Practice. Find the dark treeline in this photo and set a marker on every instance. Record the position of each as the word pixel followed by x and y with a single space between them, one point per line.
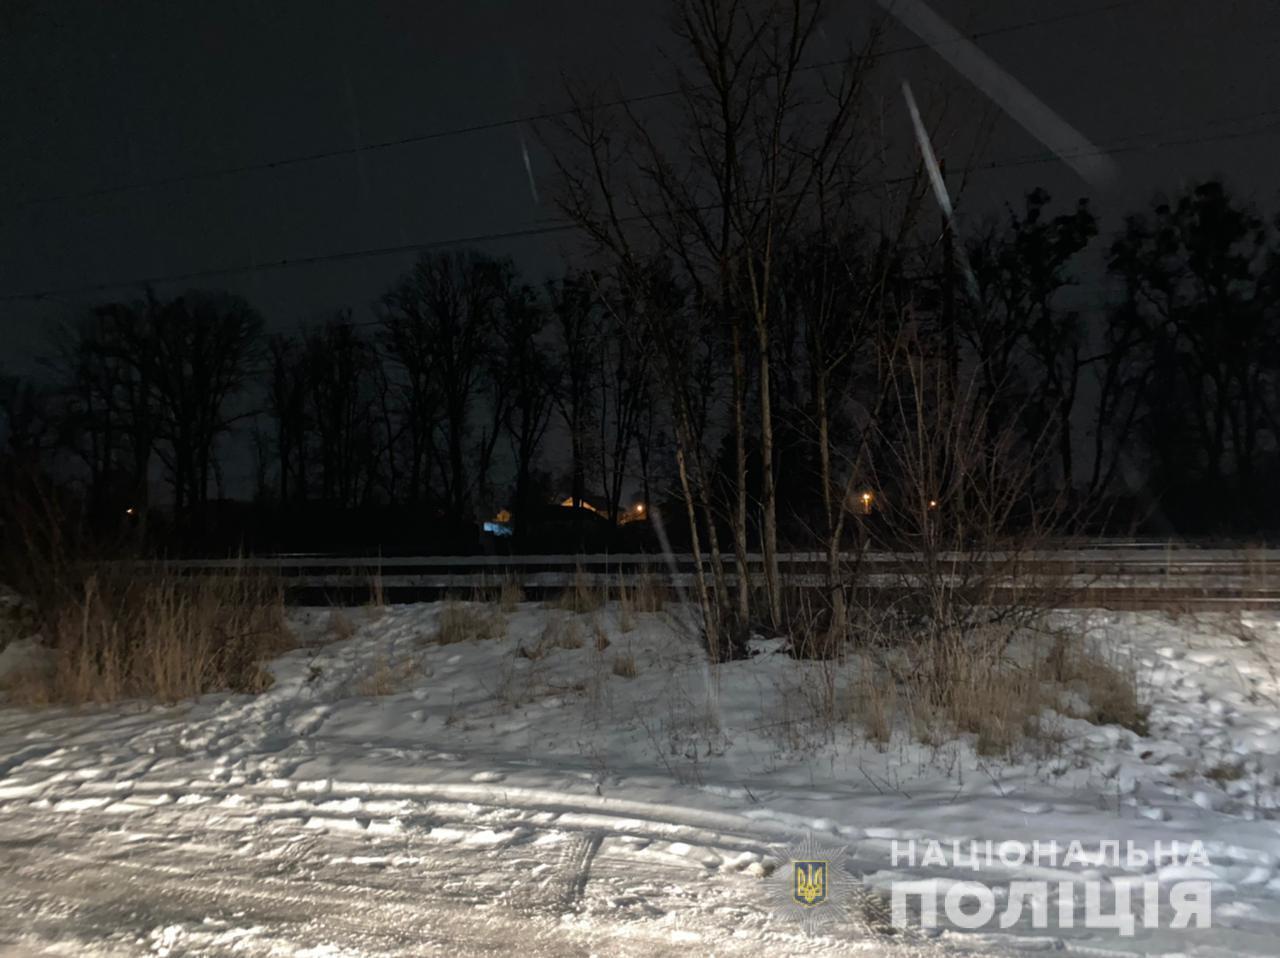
pixel 474 391
pixel 403 431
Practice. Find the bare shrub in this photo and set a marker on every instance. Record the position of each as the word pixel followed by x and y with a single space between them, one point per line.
pixel 949 512
pixel 468 622
pixel 815 630
pixel 952 521
pixel 159 635
pixel 959 484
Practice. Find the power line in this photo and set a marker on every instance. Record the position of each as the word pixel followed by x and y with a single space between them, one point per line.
pixel 296 261
pixel 470 129
pixel 566 226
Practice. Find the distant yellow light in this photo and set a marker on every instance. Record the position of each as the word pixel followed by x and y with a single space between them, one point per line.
pixel 640 508
pixel 130 511
pixel 867 498
pixel 933 503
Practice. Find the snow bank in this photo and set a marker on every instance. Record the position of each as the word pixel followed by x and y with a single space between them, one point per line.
pixel 630 800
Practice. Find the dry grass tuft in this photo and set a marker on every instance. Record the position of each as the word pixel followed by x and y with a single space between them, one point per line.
pixel 1225 772
pixel 389 677
pixel 972 685
pixel 624 665
pixel 580 595
pixel 160 635
pixel 600 638
pixel 377 595
pixel 556 634
pixel 341 627
pixel 642 594
pixel 875 704
pixel 466 622
pixel 985 685
pixel 510 596
pixel 568 636
pixel 1108 683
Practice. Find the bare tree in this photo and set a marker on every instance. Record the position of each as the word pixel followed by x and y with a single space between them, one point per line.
pixel 576 306
pixel 1021 272
pixel 287 404
pixel 723 188
pixel 439 325
pixel 339 369
pixel 202 345
pixel 106 367
pixel 837 297
pixel 1196 275
pixel 27 419
pixel 963 500
pixel 623 374
pixel 408 339
pixel 526 366
pixel 91 423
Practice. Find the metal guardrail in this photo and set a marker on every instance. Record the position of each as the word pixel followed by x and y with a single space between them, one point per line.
pixel 1101 574
pixel 1128 556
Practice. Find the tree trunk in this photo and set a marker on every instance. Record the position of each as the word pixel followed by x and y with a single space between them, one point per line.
pixel 835 588
pixel 709 622
pixel 740 506
pixel 773 581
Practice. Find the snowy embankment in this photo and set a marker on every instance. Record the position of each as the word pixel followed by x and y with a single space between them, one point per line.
pixel 581 784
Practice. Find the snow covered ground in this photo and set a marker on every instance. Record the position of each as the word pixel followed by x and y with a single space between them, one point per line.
pixel 392 795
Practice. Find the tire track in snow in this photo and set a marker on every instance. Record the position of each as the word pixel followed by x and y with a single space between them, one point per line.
pixel 577 867
pixel 224 890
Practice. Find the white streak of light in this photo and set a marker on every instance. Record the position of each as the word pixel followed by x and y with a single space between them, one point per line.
pixel 1010 95
pixel 939 185
pixel 528 169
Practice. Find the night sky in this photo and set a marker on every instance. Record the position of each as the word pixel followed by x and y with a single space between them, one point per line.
pixel 96 96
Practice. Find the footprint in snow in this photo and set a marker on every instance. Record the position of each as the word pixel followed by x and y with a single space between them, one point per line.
pixel 309 721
